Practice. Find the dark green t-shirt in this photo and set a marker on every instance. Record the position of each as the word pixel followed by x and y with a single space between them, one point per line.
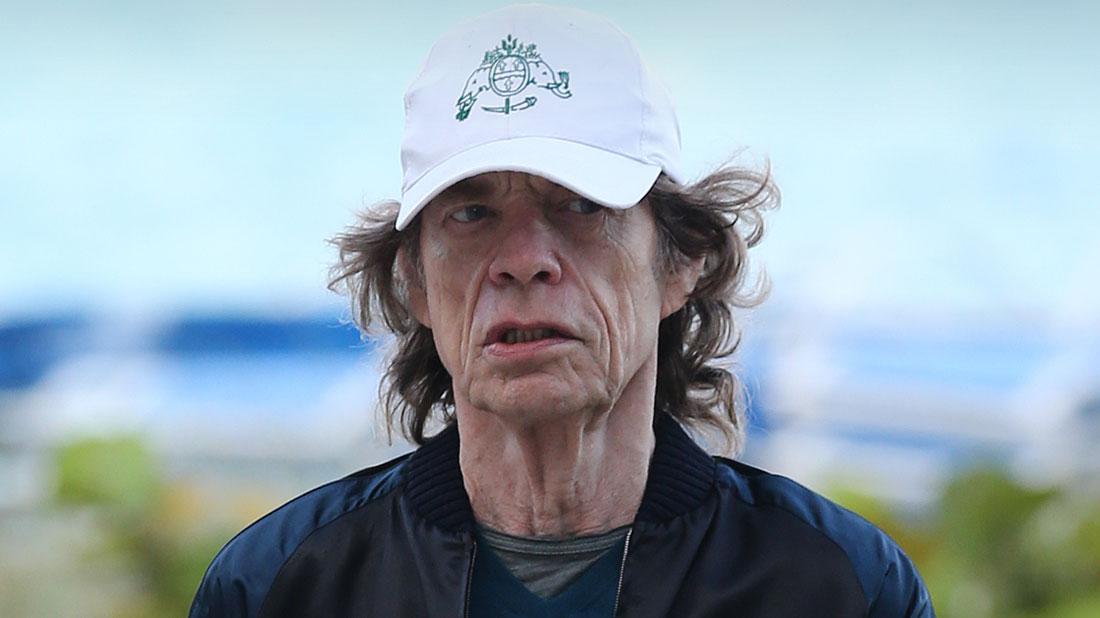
pixel 497 593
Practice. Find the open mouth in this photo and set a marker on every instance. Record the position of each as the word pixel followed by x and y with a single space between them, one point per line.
pixel 519 335
pixel 512 334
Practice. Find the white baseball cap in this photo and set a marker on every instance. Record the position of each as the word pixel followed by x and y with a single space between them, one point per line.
pixel 547 90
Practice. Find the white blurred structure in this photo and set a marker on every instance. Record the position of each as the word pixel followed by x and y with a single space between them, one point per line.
pixel 292 401
pixel 897 410
pixel 285 401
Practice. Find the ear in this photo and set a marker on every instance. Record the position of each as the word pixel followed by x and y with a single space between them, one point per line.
pixel 679 284
pixel 414 289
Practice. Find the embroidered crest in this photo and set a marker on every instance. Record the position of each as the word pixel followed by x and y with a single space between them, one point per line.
pixel 507 71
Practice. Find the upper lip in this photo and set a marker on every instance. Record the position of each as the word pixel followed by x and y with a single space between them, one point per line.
pixel 496 333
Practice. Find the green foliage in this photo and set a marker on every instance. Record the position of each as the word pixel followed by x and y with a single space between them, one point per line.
pixel 985 522
pixel 157 528
pixel 996 547
pixel 117 471
pixel 1082 607
pixel 992 546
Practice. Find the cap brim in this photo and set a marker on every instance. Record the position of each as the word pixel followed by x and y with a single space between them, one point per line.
pixel 605 177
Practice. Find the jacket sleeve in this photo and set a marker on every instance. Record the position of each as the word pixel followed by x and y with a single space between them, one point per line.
pixel 222 594
pixel 902 593
pixel 241 575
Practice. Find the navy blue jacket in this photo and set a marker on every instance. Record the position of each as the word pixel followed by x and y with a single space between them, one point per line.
pixel 712 537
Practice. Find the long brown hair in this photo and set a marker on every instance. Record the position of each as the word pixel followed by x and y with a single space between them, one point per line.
pixel 718 218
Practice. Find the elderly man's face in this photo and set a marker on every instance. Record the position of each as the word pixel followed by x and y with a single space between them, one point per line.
pixel 541 303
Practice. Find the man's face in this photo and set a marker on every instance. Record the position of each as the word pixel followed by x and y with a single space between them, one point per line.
pixel 541 303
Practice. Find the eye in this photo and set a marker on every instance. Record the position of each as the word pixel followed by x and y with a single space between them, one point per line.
pixel 471 213
pixel 582 206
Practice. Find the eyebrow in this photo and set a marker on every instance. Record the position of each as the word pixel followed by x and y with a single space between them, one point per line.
pixel 469 188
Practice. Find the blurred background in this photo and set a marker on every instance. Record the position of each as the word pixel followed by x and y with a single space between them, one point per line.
pixel 172 366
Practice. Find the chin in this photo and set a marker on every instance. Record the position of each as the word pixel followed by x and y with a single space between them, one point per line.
pixel 535 401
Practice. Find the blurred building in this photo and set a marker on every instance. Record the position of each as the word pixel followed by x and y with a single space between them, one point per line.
pixel 290 402
pixel 230 399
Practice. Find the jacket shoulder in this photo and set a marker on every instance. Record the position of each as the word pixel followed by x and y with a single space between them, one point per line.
pixel 239 577
pixel 890 582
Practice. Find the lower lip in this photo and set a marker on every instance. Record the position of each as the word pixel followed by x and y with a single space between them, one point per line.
pixel 525 348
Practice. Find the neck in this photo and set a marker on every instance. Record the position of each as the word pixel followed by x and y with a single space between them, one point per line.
pixel 573 476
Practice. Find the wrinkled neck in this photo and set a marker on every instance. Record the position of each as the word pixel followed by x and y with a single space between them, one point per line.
pixel 573 476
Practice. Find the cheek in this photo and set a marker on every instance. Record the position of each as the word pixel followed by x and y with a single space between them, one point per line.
pixel 640 313
pixel 444 297
pixel 453 288
pixel 630 304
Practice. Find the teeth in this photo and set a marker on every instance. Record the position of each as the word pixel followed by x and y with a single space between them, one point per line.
pixel 523 336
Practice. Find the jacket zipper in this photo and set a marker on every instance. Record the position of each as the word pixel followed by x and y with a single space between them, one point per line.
pixel 470 579
pixel 622 571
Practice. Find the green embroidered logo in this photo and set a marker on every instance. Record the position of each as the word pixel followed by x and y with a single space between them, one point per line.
pixel 507 71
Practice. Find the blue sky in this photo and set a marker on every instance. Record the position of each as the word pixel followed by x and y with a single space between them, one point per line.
pixel 935 158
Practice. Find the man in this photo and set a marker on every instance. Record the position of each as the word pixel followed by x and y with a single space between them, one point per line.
pixel 559 294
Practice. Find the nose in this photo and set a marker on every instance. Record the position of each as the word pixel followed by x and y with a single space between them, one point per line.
pixel 526 254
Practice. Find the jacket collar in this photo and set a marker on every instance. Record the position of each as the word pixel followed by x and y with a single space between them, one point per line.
pixel 681 475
